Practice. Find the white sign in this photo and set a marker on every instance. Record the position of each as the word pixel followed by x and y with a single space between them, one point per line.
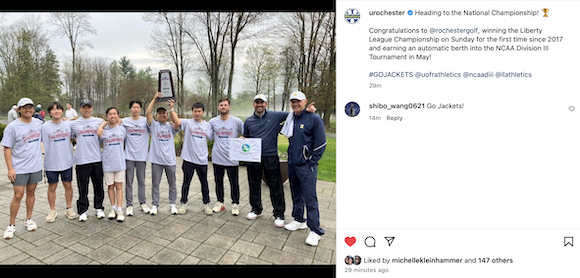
pixel 249 149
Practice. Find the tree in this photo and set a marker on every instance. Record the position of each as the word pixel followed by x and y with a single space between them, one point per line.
pixel 73 25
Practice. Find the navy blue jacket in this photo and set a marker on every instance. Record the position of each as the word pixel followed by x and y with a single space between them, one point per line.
pixel 308 141
pixel 266 127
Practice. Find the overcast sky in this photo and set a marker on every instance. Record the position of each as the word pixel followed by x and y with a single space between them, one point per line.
pixel 118 34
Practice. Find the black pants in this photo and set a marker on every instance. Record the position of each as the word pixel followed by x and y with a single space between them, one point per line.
pixel 94 171
pixel 271 167
pixel 218 171
pixel 188 170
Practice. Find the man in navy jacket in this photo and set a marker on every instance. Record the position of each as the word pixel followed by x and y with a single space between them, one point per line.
pixel 307 144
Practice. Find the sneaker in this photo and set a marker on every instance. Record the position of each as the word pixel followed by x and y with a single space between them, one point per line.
pixel 312 239
pixel 129 211
pixel 279 222
pixel 120 216
pixel 100 213
pixel 83 217
pixel 207 209
pixel 235 209
pixel 70 213
pixel 253 215
pixel 30 225
pixel 113 214
pixel 9 233
pixel 153 210
pixel 219 206
pixel 182 208
pixel 51 216
pixel 295 225
pixel 143 207
pixel 173 209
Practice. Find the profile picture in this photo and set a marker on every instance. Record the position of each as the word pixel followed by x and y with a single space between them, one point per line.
pixel 349 260
pixel 352 109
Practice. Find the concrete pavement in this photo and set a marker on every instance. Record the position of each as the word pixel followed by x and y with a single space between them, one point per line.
pixel 164 239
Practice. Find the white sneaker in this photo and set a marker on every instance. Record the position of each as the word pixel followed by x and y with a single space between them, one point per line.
pixel 100 214
pixel 9 233
pixel 129 211
pixel 113 213
pixel 279 222
pixel 207 209
pixel 153 210
pixel 30 225
pixel 182 208
pixel 173 209
pixel 252 215
pixel 219 206
pixel 295 225
pixel 235 209
pixel 143 207
pixel 51 216
pixel 120 216
pixel 313 239
pixel 70 213
pixel 83 217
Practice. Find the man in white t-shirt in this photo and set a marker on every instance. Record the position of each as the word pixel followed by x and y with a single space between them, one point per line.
pixel 13 114
pixel 71 113
pixel 225 126
pixel 196 133
pixel 58 159
pixel 23 155
pixel 88 160
pixel 161 154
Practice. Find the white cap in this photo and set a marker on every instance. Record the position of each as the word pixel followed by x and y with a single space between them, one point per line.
pixel 14 106
pixel 298 95
pixel 25 101
pixel 261 96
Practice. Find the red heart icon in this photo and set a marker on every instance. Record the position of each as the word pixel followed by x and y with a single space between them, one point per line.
pixel 350 240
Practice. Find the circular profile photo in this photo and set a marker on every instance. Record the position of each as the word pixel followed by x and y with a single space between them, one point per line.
pixel 349 260
pixel 352 109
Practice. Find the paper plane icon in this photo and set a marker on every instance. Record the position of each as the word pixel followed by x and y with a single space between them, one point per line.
pixel 390 240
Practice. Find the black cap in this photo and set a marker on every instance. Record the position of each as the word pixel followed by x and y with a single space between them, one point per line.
pixel 86 102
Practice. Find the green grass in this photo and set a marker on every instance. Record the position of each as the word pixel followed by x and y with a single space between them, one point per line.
pixel 326 165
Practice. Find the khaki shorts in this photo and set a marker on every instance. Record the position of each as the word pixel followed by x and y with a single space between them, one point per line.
pixel 113 177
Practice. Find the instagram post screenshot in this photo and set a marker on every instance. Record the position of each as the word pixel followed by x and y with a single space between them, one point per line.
pixel 458 130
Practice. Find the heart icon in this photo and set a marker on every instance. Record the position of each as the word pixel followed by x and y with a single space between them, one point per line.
pixel 350 240
pixel 571 108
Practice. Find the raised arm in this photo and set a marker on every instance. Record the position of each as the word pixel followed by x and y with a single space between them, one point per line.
pixel 174 117
pixel 150 108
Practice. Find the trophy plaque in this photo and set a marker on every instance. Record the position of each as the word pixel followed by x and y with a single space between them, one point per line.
pixel 165 85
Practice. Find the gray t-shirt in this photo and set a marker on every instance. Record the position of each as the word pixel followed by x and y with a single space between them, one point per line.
pixel 162 150
pixel 195 141
pixel 137 141
pixel 24 140
pixel 113 155
pixel 223 131
pixel 58 154
pixel 88 148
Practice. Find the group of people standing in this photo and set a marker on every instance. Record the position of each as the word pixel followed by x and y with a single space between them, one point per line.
pixel 129 143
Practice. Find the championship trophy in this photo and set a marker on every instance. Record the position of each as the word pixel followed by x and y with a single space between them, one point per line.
pixel 165 85
pixel 545 12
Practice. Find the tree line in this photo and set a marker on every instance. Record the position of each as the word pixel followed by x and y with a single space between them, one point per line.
pixel 280 53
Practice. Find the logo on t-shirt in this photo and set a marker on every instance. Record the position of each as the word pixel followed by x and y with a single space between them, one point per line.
pixel 114 140
pixel 163 135
pixel 88 131
pixel 59 135
pixel 198 132
pixel 31 136
pixel 135 130
pixel 224 132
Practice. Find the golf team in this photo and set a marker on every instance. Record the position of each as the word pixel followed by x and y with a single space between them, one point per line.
pixel 112 152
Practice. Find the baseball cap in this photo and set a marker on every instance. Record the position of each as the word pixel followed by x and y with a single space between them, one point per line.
pixel 25 101
pixel 298 95
pixel 86 102
pixel 161 107
pixel 261 96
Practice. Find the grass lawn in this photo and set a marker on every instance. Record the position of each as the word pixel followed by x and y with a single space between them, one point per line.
pixel 326 165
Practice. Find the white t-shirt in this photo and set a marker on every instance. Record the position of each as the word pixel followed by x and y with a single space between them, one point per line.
pixel 88 147
pixel 58 154
pixel 137 141
pixel 71 113
pixel 113 155
pixel 162 149
pixel 24 140
pixel 223 131
pixel 195 141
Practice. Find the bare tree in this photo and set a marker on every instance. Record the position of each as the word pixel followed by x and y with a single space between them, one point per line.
pixel 168 43
pixel 73 25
